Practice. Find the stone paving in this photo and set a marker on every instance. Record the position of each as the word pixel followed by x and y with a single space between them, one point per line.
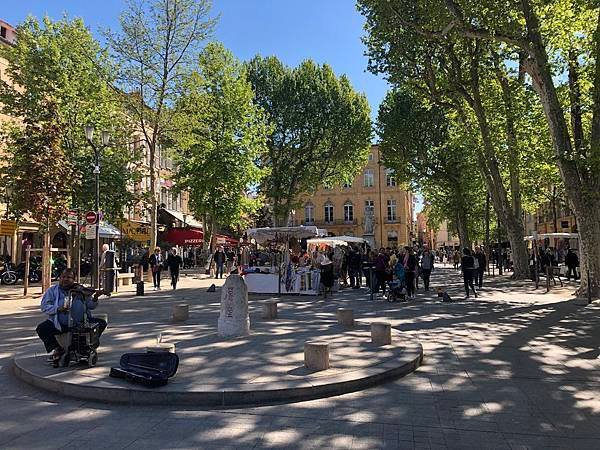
pixel 511 369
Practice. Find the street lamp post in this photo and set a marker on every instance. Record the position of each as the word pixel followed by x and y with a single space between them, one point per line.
pixel 89 134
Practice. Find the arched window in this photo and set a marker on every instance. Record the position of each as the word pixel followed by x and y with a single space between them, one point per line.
pixel 392 238
pixel 348 212
pixel 309 214
pixel 328 209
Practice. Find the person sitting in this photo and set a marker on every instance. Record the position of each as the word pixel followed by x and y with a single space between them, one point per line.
pixel 53 304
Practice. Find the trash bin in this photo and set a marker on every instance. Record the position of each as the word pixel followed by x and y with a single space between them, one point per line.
pixel 139 288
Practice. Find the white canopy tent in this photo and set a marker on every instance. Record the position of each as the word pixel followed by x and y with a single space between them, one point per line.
pixel 283 234
pixel 553 235
pixel 337 240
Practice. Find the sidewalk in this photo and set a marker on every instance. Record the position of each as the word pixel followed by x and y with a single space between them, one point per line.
pixel 512 369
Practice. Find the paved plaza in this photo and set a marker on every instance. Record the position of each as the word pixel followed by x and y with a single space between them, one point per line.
pixel 512 369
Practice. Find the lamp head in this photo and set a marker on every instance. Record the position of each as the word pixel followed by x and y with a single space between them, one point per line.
pixel 105 137
pixel 89 132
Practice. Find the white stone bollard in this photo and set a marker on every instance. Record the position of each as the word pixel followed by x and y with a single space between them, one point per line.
pixel 316 355
pixel 269 309
pixel 381 333
pixel 162 347
pixel 181 312
pixel 345 317
pixel 234 319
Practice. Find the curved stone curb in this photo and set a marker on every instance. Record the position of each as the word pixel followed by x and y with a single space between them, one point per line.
pixel 251 394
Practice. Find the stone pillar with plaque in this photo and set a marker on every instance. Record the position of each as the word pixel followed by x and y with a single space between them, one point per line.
pixel 234 319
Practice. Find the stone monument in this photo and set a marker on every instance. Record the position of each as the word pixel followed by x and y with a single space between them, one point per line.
pixel 234 319
pixel 368 226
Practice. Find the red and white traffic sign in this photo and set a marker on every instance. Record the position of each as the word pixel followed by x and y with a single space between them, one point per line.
pixel 91 217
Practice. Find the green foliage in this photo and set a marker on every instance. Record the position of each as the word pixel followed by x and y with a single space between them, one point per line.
pixel 222 136
pixel 322 128
pixel 61 63
pixel 39 171
pixel 426 149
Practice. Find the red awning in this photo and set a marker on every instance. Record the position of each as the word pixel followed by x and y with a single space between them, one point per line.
pixel 183 236
pixel 194 236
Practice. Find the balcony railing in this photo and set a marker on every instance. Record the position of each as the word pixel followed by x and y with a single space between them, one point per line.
pixel 325 223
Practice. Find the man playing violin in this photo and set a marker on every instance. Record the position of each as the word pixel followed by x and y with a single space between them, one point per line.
pixel 56 304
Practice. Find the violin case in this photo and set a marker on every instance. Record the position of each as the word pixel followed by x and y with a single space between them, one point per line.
pixel 148 369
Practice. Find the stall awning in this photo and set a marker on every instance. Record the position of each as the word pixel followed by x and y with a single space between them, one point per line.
pixel 337 240
pixel 226 240
pixel 189 219
pixel 183 236
pixel 262 235
pixel 107 230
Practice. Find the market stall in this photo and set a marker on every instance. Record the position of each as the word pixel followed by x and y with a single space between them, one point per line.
pixel 276 272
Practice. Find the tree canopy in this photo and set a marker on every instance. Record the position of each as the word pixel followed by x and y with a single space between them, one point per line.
pixel 321 128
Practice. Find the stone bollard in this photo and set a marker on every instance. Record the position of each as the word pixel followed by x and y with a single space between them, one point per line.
pixel 269 309
pixel 345 317
pixel 181 312
pixel 316 355
pixel 381 333
pixel 162 347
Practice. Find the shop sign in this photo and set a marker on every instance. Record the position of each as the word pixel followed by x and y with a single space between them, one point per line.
pixel 7 227
pixel 136 231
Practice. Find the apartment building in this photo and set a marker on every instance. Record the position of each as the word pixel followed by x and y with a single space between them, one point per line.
pixel 373 199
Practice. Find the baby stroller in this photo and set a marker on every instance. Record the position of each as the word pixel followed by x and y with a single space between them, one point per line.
pixel 396 287
pixel 82 340
pixel 396 291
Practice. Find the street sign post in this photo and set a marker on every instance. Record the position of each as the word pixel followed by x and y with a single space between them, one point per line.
pixel 90 232
pixel 72 217
pixel 91 217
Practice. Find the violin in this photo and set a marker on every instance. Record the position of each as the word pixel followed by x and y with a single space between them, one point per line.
pixel 87 291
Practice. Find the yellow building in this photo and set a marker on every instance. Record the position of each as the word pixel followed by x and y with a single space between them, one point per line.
pixel 346 210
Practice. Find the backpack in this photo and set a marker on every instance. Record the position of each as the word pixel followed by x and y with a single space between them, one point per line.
pixel 475 262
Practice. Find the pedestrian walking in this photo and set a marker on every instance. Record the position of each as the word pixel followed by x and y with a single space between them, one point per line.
pixel 410 268
pixel 174 262
pixel 354 268
pixel 571 261
pixel 456 259
pixel 482 264
pixel 381 266
pixel 426 267
pixel 156 265
pixel 467 266
pixel 220 259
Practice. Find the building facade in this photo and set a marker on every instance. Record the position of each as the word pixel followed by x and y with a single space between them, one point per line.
pixel 373 204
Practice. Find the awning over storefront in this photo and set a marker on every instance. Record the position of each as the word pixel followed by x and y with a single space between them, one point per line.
pixel 107 230
pixel 183 236
pixel 189 219
pixel 193 236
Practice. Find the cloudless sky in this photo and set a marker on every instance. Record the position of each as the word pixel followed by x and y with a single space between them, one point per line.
pixel 327 31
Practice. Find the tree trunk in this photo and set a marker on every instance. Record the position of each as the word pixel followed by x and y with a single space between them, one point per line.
pixel 582 192
pixel 462 229
pixel 589 232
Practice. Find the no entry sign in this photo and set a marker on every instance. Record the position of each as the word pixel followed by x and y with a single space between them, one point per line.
pixel 91 217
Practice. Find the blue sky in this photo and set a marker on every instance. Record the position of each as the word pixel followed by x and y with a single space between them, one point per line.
pixel 327 31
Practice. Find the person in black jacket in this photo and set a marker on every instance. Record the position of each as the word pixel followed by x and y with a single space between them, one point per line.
pixel 156 262
pixel 174 262
pixel 481 259
pixel 220 259
pixel 467 265
pixel 572 261
pixel 354 269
